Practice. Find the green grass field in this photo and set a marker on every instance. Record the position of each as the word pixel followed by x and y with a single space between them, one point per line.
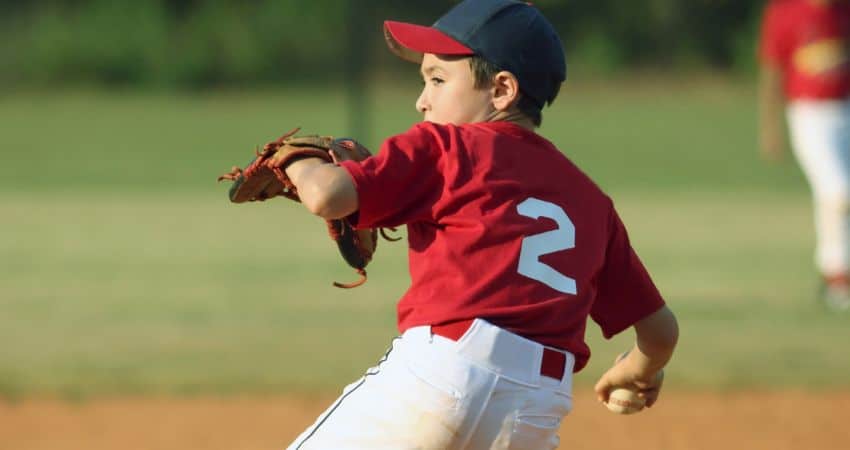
pixel 125 270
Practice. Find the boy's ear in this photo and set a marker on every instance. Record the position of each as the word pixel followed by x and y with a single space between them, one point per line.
pixel 505 90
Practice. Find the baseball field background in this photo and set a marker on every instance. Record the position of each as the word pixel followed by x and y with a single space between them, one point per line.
pixel 139 309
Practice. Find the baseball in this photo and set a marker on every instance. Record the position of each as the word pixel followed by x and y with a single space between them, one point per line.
pixel 624 401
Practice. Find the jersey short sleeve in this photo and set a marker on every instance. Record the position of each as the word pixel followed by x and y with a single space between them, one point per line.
pixel 626 293
pixel 402 182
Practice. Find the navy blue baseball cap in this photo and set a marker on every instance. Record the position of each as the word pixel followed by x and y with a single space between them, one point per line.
pixel 513 35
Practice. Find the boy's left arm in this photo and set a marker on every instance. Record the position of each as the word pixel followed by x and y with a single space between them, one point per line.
pixel 325 189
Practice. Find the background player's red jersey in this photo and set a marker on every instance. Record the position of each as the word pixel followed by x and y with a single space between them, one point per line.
pixel 809 43
pixel 503 227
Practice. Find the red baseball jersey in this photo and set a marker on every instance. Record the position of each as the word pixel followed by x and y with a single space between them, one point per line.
pixel 503 227
pixel 809 43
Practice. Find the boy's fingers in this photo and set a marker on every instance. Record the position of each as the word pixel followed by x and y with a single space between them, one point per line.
pixel 654 383
pixel 651 399
pixel 602 389
pixel 647 393
pixel 601 394
pixel 650 395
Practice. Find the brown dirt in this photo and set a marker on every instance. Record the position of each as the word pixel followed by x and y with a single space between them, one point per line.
pixel 686 421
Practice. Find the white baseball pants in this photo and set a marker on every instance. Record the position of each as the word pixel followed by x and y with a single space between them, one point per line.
pixel 484 391
pixel 820 137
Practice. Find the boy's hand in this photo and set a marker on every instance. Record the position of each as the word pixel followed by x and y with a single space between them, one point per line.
pixel 627 373
pixel 275 172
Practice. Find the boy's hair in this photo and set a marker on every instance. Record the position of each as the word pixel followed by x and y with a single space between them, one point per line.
pixel 484 71
pixel 512 35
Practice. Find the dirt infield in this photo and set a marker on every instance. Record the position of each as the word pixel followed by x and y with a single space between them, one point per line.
pixel 686 421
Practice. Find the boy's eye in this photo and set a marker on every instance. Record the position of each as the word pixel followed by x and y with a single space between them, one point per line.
pixel 435 81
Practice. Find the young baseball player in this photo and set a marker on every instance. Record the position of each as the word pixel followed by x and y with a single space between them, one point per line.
pixel 805 60
pixel 511 248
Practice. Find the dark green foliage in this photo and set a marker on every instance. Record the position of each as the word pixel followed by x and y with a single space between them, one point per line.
pixel 198 43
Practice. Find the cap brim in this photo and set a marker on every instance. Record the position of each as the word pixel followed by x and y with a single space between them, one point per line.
pixel 410 41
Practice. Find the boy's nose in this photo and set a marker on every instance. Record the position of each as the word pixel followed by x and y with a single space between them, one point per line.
pixel 421 105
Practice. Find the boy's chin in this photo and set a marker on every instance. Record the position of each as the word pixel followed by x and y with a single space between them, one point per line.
pixel 443 121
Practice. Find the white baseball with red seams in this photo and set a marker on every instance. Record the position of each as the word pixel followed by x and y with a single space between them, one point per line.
pixel 624 401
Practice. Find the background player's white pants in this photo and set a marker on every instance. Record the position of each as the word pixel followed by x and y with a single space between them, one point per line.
pixel 428 393
pixel 820 135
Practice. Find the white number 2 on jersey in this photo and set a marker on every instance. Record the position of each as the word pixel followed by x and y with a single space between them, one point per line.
pixel 533 247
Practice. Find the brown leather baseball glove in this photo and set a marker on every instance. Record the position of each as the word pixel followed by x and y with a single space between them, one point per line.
pixel 265 178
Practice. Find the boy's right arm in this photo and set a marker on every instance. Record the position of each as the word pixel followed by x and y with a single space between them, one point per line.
pixel 640 368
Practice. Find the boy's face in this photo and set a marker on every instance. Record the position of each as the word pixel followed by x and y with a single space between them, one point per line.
pixel 449 94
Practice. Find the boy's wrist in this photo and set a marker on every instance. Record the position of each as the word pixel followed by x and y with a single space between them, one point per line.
pixel 642 365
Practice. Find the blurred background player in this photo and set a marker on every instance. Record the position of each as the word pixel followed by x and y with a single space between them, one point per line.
pixel 805 66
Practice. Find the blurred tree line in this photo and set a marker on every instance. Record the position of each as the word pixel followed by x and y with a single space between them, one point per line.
pixel 198 43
